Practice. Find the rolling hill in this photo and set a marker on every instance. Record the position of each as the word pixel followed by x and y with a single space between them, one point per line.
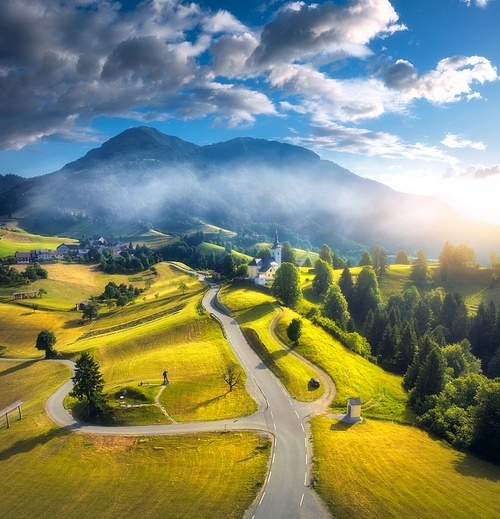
pixel 145 176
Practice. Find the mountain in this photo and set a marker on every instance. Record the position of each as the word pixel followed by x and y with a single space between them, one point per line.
pixel 143 175
pixel 7 182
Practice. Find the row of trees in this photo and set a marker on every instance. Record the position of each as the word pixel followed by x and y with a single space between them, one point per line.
pixel 131 261
pixel 12 276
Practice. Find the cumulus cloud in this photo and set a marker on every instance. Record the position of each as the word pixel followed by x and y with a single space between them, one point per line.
pixel 62 63
pixel 449 82
pixel 456 141
pixel 301 31
pixel 334 137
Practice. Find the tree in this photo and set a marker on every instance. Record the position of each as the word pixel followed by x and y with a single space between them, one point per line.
pixel 366 260
pixel 366 294
pixel 286 285
pixel 228 266
pixel 431 377
pixel 294 330
pixel 335 306
pixel 380 263
pixel 402 258
pixel 486 440
pixel 287 253
pixel 232 375
pixel 88 384
pixel 45 342
pixel 346 284
pixel 91 310
pixel 41 292
pixel 420 270
pixel 182 286
pixel 326 254
pixel 307 262
pixel 323 277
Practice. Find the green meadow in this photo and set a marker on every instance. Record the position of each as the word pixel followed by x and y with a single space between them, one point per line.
pixel 14 240
pixel 384 467
pixel 48 472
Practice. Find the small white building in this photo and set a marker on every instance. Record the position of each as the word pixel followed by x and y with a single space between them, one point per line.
pixel 353 409
pixel 263 270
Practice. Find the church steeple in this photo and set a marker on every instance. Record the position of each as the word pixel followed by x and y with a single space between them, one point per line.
pixel 276 249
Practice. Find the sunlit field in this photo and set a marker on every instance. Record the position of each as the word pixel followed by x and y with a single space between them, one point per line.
pixel 48 472
pixel 378 469
pixel 254 309
pixel 354 376
pixel 17 240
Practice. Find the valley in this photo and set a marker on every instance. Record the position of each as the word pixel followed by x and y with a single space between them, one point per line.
pixel 165 327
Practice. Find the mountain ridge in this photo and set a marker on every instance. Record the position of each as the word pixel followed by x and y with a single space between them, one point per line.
pixel 244 183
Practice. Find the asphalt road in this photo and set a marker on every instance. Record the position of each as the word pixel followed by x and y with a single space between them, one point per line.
pixel 287 492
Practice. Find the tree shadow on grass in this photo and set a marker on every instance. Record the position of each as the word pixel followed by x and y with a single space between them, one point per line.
pixel 17 367
pixel 211 400
pixel 24 446
pixel 468 465
pixel 1 350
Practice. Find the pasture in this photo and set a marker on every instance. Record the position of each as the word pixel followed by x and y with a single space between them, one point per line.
pixel 255 309
pixel 48 472
pixel 379 470
pixel 14 240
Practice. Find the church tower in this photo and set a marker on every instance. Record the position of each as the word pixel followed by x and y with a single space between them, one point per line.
pixel 276 250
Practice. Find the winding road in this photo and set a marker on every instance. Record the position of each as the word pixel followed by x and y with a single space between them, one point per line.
pixel 287 492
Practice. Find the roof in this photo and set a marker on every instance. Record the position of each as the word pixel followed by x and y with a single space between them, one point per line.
pixel 276 244
pixel 267 263
pixel 354 400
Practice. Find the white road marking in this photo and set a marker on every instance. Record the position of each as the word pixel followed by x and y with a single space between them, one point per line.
pixel 305 479
pixel 302 425
pixel 306 459
pixel 269 477
pixel 301 500
pixel 297 415
pixel 262 498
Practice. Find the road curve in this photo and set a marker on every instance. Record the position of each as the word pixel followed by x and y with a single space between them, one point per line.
pixel 287 492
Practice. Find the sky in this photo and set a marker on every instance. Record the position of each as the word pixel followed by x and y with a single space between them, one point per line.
pixel 404 92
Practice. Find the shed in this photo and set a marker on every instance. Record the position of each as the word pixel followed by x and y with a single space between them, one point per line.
pixel 354 409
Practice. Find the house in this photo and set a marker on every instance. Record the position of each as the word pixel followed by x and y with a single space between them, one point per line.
pixel 43 255
pixel 63 251
pixel 263 270
pixel 23 257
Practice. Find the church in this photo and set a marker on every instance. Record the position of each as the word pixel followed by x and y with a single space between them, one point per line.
pixel 263 270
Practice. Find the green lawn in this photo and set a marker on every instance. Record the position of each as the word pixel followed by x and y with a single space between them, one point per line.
pixel 380 470
pixel 47 472
pixel 253 308
pixel 17 240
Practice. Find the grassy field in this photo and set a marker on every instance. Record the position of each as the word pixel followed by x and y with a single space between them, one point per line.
pixel 255 309
pixel 14 240
pixel 47 472
pixel 380 470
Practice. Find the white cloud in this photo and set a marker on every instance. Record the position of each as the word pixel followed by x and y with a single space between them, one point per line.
pixel 449 82
pixel 325 31
pixel 479 3
pixel 334 137
pixel 456 141
pixel 474 171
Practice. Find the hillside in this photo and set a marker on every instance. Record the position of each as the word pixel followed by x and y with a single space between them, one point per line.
pixel 148 178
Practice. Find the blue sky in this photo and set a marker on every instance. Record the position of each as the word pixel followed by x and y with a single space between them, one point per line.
pixel 403 92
